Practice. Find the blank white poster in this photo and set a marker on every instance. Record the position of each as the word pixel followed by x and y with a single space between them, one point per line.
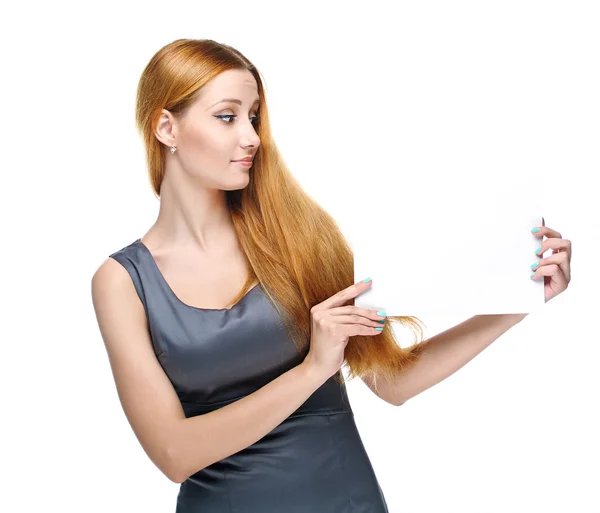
pixel 456 139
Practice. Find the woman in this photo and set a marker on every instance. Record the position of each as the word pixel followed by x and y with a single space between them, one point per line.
pixel 227 323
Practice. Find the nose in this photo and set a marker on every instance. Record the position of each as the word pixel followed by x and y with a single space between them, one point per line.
pixel 250 137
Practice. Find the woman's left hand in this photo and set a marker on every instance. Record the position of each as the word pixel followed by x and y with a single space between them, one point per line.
pixel 556 269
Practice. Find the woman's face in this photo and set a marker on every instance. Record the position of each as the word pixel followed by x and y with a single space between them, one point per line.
pixel 214 133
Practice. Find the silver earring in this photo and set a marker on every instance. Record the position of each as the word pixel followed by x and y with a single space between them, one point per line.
pixel 173 149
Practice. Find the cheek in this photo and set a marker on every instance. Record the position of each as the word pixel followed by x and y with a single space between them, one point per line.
pixel 204 147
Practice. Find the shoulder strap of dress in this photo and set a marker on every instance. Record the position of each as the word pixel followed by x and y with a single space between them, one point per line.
pixel 132 258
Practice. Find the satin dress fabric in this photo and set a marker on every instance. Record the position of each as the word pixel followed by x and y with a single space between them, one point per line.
pixel 313 462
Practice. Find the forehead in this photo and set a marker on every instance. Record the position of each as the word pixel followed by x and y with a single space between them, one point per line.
pixel 239 84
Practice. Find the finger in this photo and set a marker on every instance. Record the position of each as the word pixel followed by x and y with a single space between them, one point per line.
pixel 555 272
pixel 559 259
pixel 357 319
pixel 548 232
pixel 345 295
pixel 557 245
pixel 356 310
pixel 351 330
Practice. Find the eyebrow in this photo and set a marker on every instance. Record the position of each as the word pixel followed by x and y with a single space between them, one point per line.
pixel 233 100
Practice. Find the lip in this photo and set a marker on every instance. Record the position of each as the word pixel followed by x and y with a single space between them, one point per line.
pixel 245 159
pixel 246 163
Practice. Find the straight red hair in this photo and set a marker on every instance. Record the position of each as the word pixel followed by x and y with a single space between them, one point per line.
pixel 292 246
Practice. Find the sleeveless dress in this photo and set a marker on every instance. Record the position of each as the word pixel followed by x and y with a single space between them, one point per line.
pixel 313 462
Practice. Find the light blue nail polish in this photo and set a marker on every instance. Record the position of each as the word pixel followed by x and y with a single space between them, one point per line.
pixel 366 280
pixel 532 275
pixel 538 250
pixel 379 329
pixel 534 265
pixel 381 313
pixel 535 230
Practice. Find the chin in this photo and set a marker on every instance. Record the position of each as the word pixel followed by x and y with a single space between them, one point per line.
pixel 241 184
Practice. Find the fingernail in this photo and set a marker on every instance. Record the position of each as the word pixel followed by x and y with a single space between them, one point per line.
pixel 534 265
pixel 379 329
pixel 366 280
pixel 535 230
pixel 538 250
pixel 381 313
pixel 532 275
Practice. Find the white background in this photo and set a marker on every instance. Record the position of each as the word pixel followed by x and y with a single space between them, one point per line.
pixel 514 430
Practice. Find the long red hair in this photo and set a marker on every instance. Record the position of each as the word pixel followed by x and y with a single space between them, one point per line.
pixel 292 246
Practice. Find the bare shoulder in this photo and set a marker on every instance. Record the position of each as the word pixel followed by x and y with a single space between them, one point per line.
pixel 109 275
pixel 147 396
pixel 113 290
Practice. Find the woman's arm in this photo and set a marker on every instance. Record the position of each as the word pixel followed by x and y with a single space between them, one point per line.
pixel 443 355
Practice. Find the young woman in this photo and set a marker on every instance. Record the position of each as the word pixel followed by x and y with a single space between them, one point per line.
pixel 227 323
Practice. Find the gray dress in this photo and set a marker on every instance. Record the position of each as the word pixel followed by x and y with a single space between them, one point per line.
pixel 313 462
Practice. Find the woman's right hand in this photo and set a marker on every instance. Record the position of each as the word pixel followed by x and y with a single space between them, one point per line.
pixel 331 326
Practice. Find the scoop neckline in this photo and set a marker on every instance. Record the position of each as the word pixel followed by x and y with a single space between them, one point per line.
pixel 172 292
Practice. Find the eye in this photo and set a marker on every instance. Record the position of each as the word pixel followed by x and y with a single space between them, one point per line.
pixel 223 116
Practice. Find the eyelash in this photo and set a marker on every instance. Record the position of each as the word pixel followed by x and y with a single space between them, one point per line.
pixel 256 118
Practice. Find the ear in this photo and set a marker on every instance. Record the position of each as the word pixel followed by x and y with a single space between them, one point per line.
pixel 166 128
